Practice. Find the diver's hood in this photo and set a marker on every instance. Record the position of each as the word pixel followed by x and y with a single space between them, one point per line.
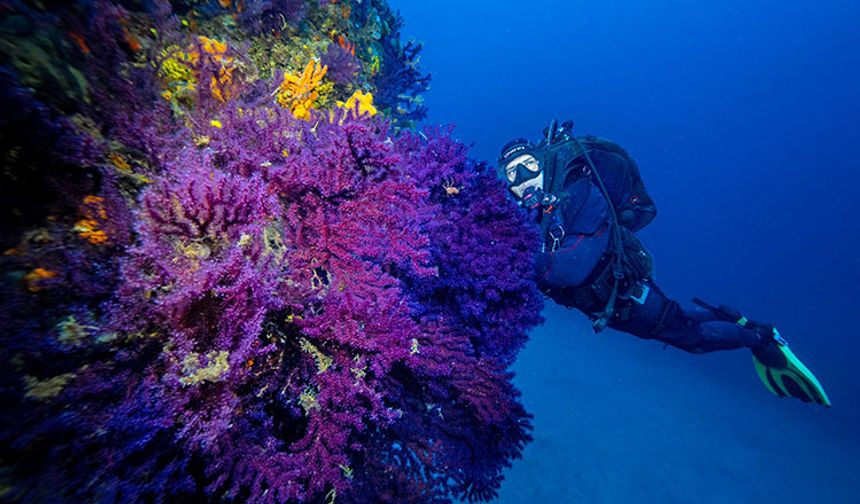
pixel 513 149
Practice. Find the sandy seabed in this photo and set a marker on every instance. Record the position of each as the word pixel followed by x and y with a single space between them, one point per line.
pixel 621 420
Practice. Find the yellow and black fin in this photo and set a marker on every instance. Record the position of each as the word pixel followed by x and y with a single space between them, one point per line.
pixel 784 375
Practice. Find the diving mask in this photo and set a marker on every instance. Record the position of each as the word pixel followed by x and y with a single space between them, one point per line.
pixel 521 169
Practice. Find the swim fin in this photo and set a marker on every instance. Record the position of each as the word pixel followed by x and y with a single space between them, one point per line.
pixel 779 369
pixel 784 375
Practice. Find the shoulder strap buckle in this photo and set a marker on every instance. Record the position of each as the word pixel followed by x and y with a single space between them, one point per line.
pixel 556 233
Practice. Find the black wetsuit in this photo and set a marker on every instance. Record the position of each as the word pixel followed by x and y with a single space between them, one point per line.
pixel 578 273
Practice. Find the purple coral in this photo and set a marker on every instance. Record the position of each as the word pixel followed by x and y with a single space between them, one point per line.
pixel 342 64
pixel 202 244
pixel 305 314
pixel 306 309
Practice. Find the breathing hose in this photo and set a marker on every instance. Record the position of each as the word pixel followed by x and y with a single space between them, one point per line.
pixel 617 267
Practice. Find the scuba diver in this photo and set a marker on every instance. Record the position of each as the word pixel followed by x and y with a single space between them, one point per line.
pixel 587 196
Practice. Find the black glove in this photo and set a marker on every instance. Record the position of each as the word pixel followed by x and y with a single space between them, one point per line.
pixel 536 198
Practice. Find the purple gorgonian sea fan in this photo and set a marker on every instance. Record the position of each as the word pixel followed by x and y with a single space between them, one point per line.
pixel 307 329
pixel 342 65
pixel 306 311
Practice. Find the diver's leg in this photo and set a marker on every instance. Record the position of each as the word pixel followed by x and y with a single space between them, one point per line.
pixel 700 330
pixel 693 330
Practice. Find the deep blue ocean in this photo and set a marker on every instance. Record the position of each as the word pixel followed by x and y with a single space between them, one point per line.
pixel 744 117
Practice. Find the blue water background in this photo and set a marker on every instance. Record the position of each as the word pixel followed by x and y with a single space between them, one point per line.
pixel 744 117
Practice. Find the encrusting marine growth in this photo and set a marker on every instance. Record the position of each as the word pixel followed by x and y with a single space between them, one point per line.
pixel 299 93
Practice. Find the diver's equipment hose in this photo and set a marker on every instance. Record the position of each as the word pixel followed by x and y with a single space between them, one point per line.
pixel 550 134
pixel 617 267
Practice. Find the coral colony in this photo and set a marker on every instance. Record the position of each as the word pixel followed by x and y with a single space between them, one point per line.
pixel 234 271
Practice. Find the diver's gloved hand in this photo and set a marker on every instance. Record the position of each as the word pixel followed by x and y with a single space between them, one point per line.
pixel 536 198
